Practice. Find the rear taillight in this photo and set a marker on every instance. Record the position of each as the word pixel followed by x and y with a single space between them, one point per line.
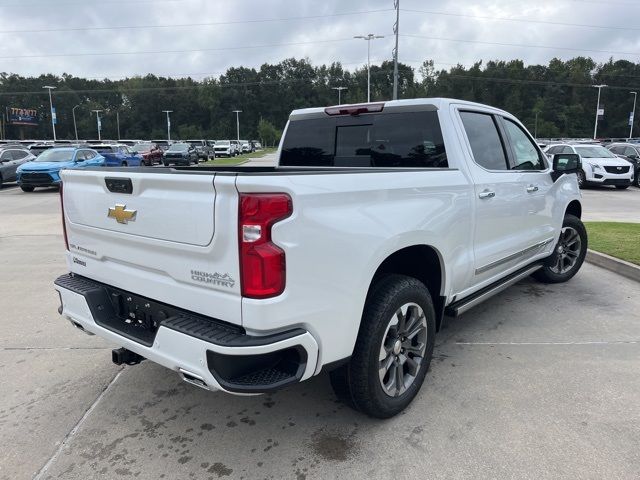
pixel 262 263
pixel 64 225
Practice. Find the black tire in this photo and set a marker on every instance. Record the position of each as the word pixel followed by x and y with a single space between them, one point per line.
pixel 358 383
pixel 0 182
pixel 123 164
pixel 166 164
pixel 548 273
pixel 622 187
pixel 27 188
pixel 582 179
pixel 637 179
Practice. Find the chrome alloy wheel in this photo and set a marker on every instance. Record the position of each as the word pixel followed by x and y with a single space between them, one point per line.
pixel 403 349
pixel 568 250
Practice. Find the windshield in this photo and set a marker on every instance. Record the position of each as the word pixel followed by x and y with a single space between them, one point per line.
pixel 103 149
pixel 179 147
pixel 141 147
pixel 55 155
pixel 195 143
pixel 594 152
pixel 222 143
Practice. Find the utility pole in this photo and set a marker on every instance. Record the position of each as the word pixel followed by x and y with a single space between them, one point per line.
pixel 368 39
pixel 396 31
pixel 632 117
pixel 118 123
pixel 75 127
pixel 339 89
pixel 237 112
pixel 168 124
pixel 595 130
pixel 53 112
pixel 535 130
pixel 97 112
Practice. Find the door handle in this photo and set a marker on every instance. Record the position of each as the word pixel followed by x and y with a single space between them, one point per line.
pixel 487 194
pixel 532 188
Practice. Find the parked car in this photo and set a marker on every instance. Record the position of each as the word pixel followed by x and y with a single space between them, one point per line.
pixel 180 154
pixel 118 155
pixel 130 142
pixel 245 146
pixel 224 148
pixel 150 152
pixel 599 165
pixel 45 170
pixel 203 147
pixel 630 152
pixel 439 204
pixel 256 145
pixel 236 147
pixel 10 159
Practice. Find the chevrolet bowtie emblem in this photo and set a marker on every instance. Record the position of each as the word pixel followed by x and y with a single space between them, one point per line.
pixel 121 214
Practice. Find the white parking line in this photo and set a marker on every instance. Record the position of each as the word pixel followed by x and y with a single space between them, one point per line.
pixel 613 342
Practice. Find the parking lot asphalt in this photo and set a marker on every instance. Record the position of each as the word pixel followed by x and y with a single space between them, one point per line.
pixel 538 382
pixel 610 204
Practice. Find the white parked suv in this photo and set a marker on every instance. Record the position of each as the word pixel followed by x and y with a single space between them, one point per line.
pixel 380 221
pixel 599 165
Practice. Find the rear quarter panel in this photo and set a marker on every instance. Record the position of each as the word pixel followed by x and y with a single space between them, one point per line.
pixel 342 228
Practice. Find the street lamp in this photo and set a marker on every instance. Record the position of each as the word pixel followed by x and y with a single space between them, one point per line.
pixel 595 130
pixel 53 114
pixel 633 113
pixel 237 112
pixel 75 128
pixel 368 39
pixel 339 89
pixel 97 112
pixel 168 124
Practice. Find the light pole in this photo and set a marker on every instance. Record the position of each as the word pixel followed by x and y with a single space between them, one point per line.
pixel 118 124
pixel 53 114
pixel 168 124
pixel 97 112
pixel 396 31
pixel 368 39
pixel 339 89
pixel 237 112
pixel 633 113
pixel 595 129
pixel 75 128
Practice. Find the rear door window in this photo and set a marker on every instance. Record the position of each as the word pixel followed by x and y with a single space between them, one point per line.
pixel 484 139
pixel 387 140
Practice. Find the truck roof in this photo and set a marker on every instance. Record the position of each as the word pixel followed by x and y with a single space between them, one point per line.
pixel 407 105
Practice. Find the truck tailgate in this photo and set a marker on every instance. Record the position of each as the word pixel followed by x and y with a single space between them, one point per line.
pixel 160 240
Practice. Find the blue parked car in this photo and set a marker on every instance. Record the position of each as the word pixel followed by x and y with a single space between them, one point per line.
pixel 118 155
pixel 44 171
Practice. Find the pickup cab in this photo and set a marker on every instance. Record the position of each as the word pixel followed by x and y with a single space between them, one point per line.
pixel 380 221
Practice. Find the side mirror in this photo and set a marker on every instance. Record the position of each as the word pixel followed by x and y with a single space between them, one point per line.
pixel 565 163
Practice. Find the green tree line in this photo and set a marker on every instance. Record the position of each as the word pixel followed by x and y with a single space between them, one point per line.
pixel 559 94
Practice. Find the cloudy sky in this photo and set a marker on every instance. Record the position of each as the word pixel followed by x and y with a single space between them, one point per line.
pixel 202 38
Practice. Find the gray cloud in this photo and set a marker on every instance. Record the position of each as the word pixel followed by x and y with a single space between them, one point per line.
pixel 47 14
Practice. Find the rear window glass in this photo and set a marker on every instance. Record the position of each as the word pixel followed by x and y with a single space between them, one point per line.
pixel 385 140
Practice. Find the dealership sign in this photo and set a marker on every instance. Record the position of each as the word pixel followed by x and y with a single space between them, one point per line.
pixel 22 116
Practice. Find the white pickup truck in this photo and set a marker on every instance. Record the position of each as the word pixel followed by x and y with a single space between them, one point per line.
pixel 380 220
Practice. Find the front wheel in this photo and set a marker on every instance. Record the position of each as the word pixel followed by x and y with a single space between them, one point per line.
pixel 568 254
pixel 27 188
pixel 582 178
pixel 166 164
pixel 622 187
pixel 393 349
pixel 637 179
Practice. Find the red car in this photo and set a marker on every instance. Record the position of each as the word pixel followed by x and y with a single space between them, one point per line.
pixel 150 152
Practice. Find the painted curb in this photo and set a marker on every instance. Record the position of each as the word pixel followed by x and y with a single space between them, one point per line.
pixel 626 269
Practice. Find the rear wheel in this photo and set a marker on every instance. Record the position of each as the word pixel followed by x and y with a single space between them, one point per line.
pixel 582 179
pixel 637 179
pixel 568 254
pixel 393 349
pixel 166 164
pixel 124 164
pixel 27 188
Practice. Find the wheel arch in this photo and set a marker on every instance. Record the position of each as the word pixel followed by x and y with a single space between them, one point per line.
pixel 422 262
pixel 574 208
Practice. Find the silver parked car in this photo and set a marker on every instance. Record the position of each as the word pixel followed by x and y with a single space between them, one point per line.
pixel 10 159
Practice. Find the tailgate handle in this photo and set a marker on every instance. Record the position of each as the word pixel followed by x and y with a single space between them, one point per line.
pixel 119 185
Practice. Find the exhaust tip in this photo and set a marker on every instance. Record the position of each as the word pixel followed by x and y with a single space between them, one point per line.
pixel 193 379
